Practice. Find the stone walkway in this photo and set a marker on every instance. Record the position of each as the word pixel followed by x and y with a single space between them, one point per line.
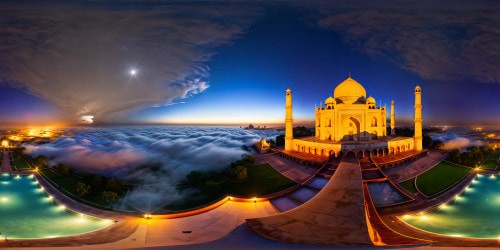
pixel 335 216
pixel 292 170
pixel 415 168
pixel 5 162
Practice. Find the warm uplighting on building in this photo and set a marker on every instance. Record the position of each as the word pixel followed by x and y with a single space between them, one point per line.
pixel 61 207
pixel 229 198
pixel 406 216
pixel 148 216
pixel 254 199
pixel 423 217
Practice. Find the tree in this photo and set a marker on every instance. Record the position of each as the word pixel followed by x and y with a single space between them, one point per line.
pixel 113 185
pixel 248 159
pixel 246 148
pixel 212 187
pixel 196 178
pixel 272 143
pixel 454 156
pixel 280 140
pixel 240 173
pixel 63 169
pixel 107 197
pixel 81 189
pixel 97 182
pixel 41 161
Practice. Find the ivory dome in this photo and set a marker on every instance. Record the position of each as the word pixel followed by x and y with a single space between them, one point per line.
pixel 349 91
pixel 329 100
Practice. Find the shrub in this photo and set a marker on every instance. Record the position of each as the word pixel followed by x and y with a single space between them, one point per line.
pixel 107 197
pixel 81 189
pixel 113 185
pixel 196 178
pixel 239 173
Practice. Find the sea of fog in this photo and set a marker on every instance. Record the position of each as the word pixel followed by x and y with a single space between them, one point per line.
pixel 127 152
pixel 459 138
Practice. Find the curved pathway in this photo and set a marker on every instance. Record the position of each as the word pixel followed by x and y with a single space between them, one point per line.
pixel 5 162
pixel 335 216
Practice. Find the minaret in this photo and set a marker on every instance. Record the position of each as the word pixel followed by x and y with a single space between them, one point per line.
pixel 418 118
pixel 288 121
pixel 393 120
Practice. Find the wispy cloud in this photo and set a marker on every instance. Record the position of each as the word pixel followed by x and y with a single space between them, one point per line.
pixel 438 41
pixel 80 57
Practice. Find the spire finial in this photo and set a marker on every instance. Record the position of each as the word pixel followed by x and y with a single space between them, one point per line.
pixel 349 75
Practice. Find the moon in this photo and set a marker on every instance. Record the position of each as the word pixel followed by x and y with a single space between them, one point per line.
pixel 133 72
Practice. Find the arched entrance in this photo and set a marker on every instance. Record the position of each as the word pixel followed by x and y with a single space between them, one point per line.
pixel 360 154
pixel 351 128
pixel 351 154
pixel 367 153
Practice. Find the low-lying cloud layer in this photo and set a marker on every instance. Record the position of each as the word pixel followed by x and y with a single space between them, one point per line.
pixel 80 56
pixel 456 141
pixel 123 153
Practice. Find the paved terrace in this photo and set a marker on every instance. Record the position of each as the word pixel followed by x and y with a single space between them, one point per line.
pixel 318 159
pixel 415 168
pixel 5 162
pixel 291 169
pixel 335 216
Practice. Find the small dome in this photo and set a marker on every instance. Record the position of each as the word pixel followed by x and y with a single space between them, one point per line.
pixel 349 91
pixel 370 100
pixel 329 100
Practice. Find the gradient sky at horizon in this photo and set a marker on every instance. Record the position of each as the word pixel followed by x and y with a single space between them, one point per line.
pixel 200 66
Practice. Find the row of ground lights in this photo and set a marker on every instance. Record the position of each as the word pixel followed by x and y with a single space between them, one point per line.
pixel 445 206
pixel 149 216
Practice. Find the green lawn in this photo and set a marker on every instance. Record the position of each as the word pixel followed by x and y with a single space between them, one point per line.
pixel 489 164
pixel 262 179
pixel 21 164
pixel 409 185
pixel 440 178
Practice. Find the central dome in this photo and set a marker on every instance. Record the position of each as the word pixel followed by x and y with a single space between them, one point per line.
pixel 349 91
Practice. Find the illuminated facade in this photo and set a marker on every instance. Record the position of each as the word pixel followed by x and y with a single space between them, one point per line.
pixel 351 122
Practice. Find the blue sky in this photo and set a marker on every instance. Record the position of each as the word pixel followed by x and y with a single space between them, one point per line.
pixel 252 53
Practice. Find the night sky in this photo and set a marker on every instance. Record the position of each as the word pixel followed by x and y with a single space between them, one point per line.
pixel 219 62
